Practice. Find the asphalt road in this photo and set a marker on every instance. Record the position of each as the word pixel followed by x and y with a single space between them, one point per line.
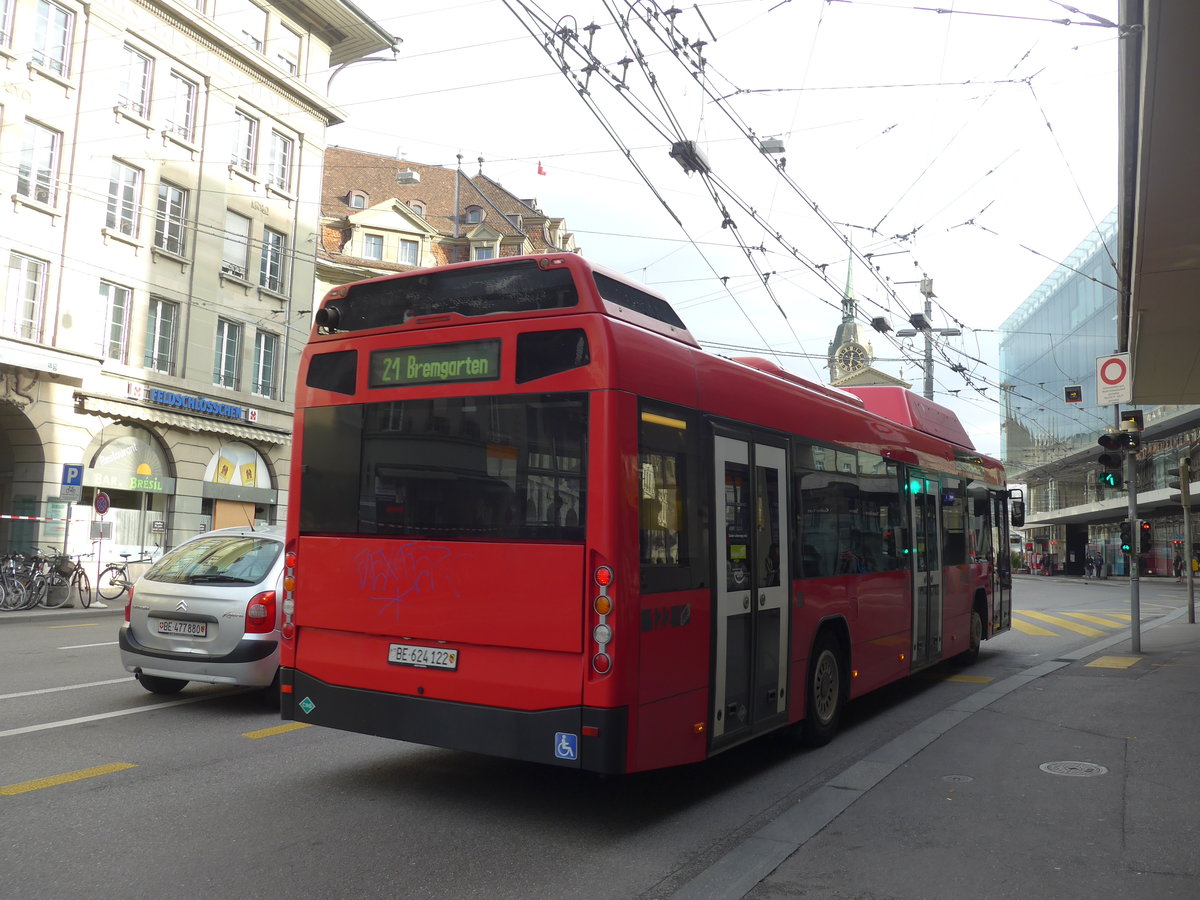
pixel 108 791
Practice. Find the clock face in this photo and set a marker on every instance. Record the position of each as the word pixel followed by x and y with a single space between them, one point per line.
pixel 851 357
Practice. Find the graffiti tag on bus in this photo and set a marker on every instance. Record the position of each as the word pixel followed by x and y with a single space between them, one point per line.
pixel 398 573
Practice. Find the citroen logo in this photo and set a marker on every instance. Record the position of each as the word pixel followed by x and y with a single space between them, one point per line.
pixel 181 605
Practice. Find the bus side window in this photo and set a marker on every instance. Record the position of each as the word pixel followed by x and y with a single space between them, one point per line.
pixel 671 537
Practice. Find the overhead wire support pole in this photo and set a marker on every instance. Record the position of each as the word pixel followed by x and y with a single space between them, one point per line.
pixel 1135 604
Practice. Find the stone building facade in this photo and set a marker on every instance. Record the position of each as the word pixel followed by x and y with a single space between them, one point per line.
pixel 160 164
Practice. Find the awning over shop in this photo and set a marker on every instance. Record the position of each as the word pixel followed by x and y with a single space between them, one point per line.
pixel 116 409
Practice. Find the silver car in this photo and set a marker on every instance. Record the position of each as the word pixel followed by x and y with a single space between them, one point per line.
pixel 208 611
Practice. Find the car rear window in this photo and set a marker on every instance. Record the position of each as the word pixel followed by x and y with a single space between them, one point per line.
pixel 218 560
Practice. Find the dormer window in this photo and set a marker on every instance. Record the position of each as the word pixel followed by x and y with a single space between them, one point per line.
pixel 474 215
pixel 417 207
pixel 357 200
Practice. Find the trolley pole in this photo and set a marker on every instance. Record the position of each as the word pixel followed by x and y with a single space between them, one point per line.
pixel 1135 537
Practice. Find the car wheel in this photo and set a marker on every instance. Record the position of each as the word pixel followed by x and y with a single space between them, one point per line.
pixel 158 685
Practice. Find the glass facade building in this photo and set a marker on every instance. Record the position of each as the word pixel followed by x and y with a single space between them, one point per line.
pixel 1049 345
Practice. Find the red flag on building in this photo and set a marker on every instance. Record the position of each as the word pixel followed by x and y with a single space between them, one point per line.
pixel 541 171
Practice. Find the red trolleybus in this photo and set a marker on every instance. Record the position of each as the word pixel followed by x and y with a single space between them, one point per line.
pixel 530 517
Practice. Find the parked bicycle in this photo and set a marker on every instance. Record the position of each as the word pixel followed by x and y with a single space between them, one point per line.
pixel 65 579
pixel 14 581
pixel 115 579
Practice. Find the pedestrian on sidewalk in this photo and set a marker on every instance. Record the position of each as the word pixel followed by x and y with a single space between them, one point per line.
pixel 1178 567
pixel 1090 568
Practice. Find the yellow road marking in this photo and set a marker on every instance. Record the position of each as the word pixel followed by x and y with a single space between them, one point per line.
pixel 278 729
pixel 970 679
pixel 1063 623
pixel 80 625
pixel 1098 620
pixel 25 787
pixel 1026 628
pixel 1114 662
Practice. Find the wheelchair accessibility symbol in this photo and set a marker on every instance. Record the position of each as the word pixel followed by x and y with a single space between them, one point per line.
pixel 566 746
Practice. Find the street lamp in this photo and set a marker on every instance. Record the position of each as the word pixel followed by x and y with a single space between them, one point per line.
pixel 921 323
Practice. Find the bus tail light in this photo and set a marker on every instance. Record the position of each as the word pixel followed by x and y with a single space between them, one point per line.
pixel 602 633
pixel 289 594
pixel 260 613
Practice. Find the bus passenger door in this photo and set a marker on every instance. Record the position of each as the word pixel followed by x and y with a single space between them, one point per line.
pixel 750 661
pixel 1002 605
pixel 925 496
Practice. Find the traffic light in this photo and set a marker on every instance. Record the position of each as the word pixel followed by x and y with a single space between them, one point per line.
pixel 1112 443
pixel 1126 538
pixel 1131 440
pixel 1144 542
pixel 1181 481
pixel 1112 479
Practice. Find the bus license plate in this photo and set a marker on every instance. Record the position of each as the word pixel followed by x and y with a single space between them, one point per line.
pixel 182 629
pixel 423 657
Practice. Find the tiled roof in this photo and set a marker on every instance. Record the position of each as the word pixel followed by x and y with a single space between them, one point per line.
pixel 375 175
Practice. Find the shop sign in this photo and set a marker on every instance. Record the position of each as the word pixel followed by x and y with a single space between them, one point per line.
pixel 125 481
pixel 195 403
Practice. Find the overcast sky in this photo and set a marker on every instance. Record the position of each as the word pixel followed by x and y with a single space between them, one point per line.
pixel 976 147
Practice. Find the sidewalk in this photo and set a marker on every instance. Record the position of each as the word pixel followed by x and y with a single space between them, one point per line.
pixel 66 613
pixel 1074 779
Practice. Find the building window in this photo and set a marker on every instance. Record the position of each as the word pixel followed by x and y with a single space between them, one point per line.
pixel 373 246
pixel 52 35
pixel 287 49
pixel 116 300
pixel 357 200
pixel 180 103
pixel 245 141
pixel 474 215
pixel 24 298
pixel 409 251
pixel 270 273
pixel 236 246
pixel 417 207
pixel 37 170
pixel 124 198
pixel 162 317
pixel 228 349
pixel 266 350
pixel 485 252
pixel 6 17
pixel 169 223
pixel 279 161
pixel 133 82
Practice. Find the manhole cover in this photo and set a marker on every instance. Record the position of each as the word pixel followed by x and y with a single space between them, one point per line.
pixel 957 779
pixel 1073 768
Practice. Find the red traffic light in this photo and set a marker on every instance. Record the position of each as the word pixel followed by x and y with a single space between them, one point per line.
pixel 1110 441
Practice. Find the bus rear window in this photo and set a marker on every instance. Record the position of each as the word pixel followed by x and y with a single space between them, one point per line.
pixel 481 468
pixel 477 291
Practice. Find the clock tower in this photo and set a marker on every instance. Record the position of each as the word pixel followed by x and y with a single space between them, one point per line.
pixel 849 351
pixel 850 355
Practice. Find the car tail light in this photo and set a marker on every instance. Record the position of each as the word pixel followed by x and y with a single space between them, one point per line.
pixel 260 613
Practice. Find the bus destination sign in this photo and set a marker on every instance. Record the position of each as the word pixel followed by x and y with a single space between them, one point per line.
pixel 436 364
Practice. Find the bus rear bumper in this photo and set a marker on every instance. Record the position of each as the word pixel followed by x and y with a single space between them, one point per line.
pixel 581 737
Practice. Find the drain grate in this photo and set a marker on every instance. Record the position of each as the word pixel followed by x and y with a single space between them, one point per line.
pixel 957 779
pixel 1073 768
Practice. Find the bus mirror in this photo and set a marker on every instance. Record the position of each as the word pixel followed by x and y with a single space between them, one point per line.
pixel 1018 513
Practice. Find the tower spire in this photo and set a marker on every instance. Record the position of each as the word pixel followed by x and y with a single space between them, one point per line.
pixel 848 303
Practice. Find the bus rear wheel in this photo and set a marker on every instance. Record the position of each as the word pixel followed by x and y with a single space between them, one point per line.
pixel 971 654
pixel 826 693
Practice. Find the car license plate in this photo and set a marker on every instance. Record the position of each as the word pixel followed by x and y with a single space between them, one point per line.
pixel 180 628
pixel 423 657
